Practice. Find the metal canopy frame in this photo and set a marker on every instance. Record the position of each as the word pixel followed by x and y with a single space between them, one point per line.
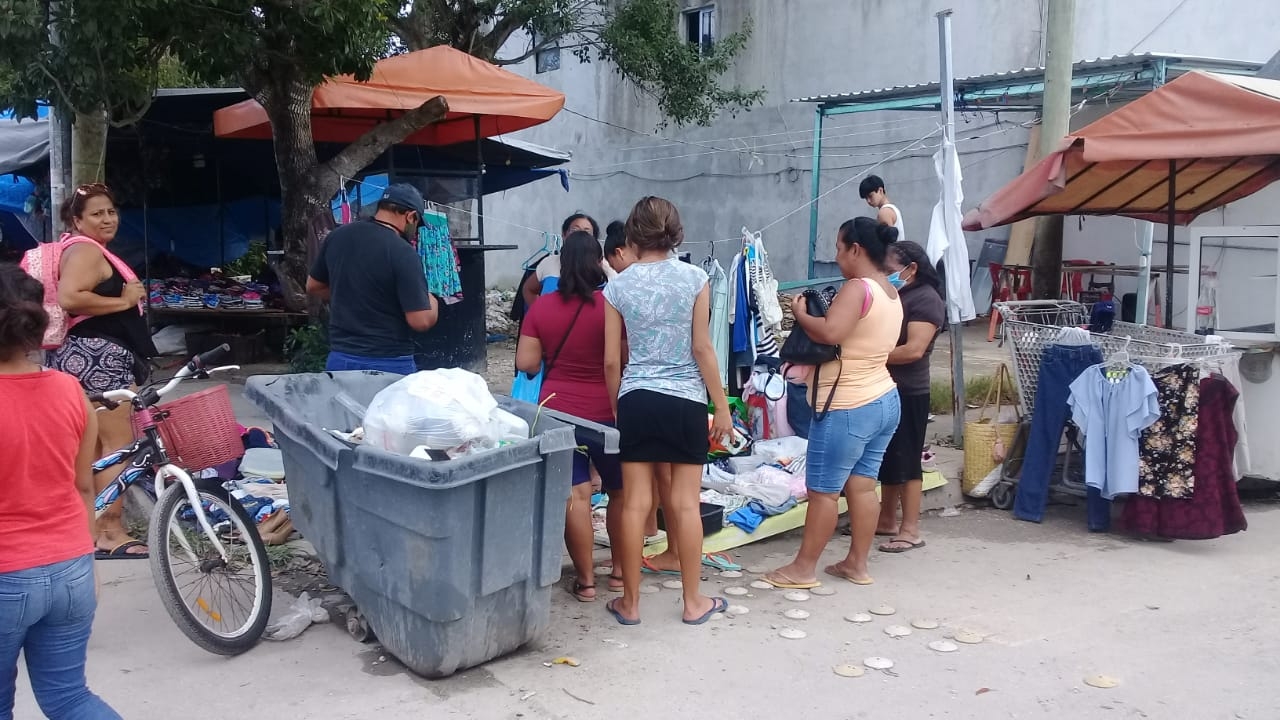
pixel 1124 78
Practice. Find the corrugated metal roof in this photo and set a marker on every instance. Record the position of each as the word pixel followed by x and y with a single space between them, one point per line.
pixel 1177 64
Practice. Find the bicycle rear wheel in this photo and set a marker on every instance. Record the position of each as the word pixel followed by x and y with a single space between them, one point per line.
pixel 221 605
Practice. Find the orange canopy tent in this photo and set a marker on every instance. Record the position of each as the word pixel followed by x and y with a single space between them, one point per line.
pixel 1200 142
pixel 1220 134
pixel 484 101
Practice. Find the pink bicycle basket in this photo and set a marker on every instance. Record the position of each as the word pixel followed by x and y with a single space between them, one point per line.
pixel 201 430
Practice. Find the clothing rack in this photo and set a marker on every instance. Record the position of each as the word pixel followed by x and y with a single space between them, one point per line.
pixel 1032 325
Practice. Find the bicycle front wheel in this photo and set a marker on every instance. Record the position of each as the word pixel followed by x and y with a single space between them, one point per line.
pixel 222 605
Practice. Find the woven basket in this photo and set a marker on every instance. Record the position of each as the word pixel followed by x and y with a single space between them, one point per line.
pixel 201 430
pixel 982 435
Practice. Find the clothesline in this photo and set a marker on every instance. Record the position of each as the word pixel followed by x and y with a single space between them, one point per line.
pixel 855 177
pixel 486 216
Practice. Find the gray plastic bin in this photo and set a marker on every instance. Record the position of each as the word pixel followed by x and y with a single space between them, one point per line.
pixel 451 563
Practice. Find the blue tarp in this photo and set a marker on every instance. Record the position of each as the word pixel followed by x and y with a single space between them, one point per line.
pixel 14 191
pixel 191 234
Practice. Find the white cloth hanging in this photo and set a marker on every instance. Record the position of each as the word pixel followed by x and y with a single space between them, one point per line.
pixel 946 237
pixel 763 284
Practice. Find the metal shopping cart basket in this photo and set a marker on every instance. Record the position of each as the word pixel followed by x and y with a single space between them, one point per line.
pixel 1032 325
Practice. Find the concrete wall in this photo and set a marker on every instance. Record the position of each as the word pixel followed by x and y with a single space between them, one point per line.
pixel 754 169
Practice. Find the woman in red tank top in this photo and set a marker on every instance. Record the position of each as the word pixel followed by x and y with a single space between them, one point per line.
pixel 47 585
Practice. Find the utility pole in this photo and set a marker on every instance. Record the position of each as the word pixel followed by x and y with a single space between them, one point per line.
pixel 1055 121
pixel 59 140
pixel 956 328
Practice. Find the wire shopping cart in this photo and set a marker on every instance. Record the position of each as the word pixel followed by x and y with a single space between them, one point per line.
pixel 1029 326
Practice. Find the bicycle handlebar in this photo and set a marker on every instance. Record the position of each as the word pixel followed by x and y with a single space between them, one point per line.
pixel 197 367
pixel 204 360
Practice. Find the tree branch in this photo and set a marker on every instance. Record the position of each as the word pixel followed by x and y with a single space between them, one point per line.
pixel 533 50
pixel 57 85
pixel 502 31
pixel 357 156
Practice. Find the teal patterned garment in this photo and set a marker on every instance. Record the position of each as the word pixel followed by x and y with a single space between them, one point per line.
pixel 439 258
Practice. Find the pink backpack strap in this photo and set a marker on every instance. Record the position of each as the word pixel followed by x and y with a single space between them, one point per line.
pixel 126 272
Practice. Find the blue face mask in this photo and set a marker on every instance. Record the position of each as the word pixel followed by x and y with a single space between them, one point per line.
pixel 896 280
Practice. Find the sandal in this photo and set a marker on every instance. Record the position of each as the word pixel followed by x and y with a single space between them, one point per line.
pixel 121 552
pixel 647 567
pixel 783 582
pixel 720 561
pixel 579 592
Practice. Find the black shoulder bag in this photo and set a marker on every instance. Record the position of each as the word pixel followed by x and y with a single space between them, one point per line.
pixel 800 349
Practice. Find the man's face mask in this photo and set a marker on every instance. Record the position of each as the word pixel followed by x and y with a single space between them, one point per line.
pixel 412 228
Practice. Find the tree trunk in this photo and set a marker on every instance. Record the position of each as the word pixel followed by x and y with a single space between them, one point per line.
pixel 305 218
pixel 88 148
pixel 306 185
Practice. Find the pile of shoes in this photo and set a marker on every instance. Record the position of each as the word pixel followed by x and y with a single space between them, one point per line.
pixel 212 294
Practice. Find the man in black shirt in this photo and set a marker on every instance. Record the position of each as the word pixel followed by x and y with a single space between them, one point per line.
pixel 376 288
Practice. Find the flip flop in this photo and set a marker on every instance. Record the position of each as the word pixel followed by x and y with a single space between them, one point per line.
pixel 578 589
pixel 720 561
pixel 888 547
pixel 121 552
pixel 612 580
pixel 833 572
pixel 618 615
pixel 718 605
pixel 779 580
pixel 647 567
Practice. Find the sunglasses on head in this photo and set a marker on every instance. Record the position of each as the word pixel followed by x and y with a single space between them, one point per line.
pixel 91 189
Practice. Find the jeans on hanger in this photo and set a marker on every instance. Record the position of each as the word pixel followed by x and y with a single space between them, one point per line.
pixel 1060 365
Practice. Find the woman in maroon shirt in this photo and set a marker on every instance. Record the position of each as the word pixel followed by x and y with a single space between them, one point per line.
pixel 564 332
pixel 47 585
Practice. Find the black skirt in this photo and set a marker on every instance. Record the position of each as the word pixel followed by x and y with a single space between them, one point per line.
pixel 659 428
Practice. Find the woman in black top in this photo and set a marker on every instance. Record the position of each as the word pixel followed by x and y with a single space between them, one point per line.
pixel 109 345
pixel 901 474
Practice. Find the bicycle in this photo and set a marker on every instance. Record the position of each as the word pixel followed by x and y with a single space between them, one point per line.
pixel 216 545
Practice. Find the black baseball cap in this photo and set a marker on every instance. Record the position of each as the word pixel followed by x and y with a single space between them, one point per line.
pixel 404 196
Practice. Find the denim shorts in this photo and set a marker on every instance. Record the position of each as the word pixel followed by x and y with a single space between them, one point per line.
pixel 850 442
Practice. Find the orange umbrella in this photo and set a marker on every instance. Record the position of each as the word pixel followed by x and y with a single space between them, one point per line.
pixel 343 109
pixel 1207 139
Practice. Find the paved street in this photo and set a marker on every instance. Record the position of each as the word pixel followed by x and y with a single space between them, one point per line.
pixel 1187 628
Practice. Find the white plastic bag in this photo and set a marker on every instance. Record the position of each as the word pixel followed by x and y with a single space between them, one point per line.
pixel 443 409
pixel 783 448
pixel 299 616
pixel 507 426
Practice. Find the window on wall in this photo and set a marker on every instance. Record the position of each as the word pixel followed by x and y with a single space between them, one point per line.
pixel 548 58
pixel 700 28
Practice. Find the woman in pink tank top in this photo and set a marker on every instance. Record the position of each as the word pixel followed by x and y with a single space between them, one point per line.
pixel 847 442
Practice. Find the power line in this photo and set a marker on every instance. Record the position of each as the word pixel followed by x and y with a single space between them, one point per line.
pixel 1159 25
pixel 797 172
pixel 742 150
pixel 584 175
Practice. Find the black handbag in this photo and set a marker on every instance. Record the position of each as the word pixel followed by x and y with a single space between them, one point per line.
pixel 800 349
